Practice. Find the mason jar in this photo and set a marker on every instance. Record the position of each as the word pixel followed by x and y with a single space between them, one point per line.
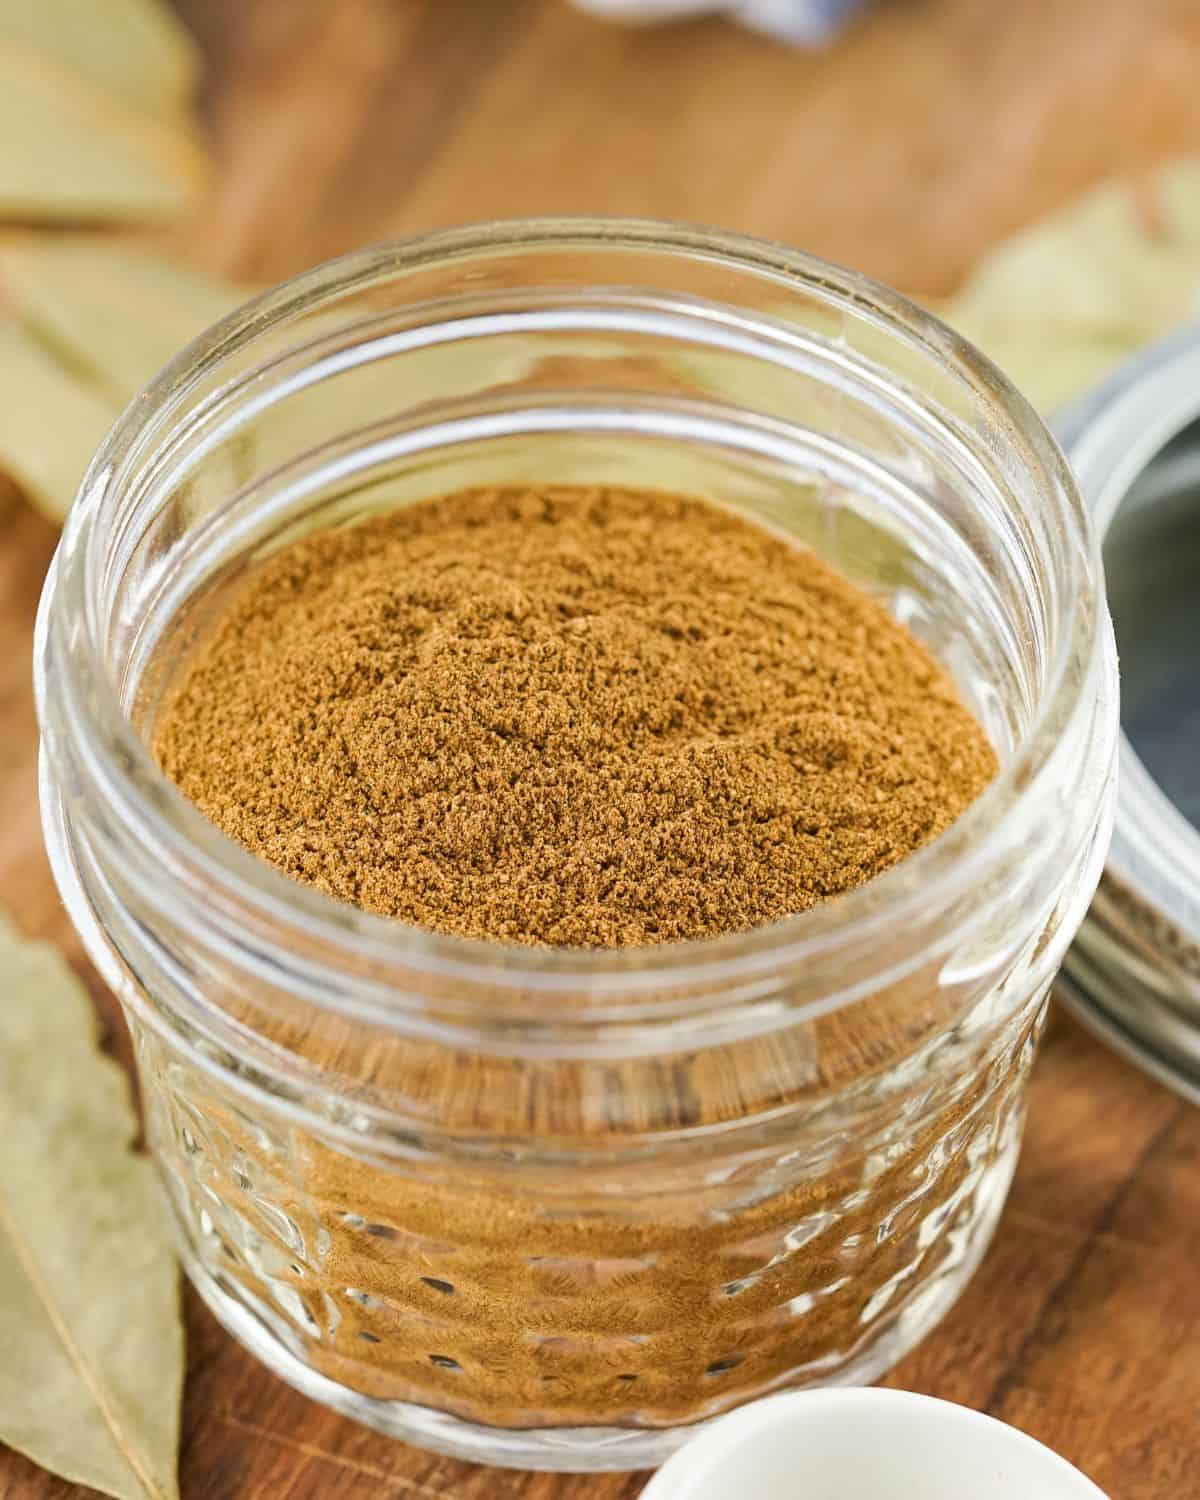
pixel 551 1207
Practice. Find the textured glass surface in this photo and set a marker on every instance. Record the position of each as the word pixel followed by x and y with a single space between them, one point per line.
pixel 585 1299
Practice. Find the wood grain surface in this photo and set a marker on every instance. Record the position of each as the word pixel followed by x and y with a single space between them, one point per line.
pixel 935 127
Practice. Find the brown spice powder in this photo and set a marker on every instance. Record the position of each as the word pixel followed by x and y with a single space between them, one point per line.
pixel 594 717
pixel 598 717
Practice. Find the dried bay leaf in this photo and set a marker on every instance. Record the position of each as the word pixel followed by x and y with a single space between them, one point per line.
pixel 69 151
pixel 1060 304
pixel 136 50
pixel 50 422
pixel 115 311
pixel 92 321
pixel 91 1343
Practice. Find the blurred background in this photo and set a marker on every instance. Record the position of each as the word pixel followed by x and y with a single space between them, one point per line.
pixel 919 136
pixel 1029 168
pixel 241 141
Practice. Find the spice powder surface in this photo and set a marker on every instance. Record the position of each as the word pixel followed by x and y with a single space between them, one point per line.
pixel 592 717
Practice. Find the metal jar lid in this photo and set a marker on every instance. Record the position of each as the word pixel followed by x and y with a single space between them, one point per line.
pixel 1133 973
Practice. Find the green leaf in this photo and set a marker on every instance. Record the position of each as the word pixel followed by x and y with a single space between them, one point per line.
pixel 52 421
pixel 135 50
pixel 114 311
pixel 1060 304
pixel 92 1362
pixel 69 151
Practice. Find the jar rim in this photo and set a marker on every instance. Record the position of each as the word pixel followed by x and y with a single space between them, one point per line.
pixel 194 849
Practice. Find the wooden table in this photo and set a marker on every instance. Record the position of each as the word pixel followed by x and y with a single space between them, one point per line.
pixel 934 128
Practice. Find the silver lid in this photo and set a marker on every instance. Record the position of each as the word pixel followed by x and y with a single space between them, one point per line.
pixel 1133 973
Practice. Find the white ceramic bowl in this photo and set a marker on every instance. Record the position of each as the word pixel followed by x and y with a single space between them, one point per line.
pixel 865 1444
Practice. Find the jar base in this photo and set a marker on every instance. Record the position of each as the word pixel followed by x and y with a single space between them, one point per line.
pixel 592 1450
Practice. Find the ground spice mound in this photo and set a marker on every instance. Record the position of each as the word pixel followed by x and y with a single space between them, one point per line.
pixel 596 717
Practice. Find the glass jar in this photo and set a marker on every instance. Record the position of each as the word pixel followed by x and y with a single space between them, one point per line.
pixel 548 1207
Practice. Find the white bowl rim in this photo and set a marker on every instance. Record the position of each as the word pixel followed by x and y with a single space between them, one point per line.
pixel 730 1431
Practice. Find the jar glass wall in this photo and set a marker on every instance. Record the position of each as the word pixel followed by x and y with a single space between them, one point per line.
pixel 548 1207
